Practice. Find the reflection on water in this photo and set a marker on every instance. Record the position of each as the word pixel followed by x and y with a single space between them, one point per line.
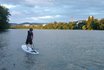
pixel 29 61
pixel 3 38
pixel 3 47
pixel 59 50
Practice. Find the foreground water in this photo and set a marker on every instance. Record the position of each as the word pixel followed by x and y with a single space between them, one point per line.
pixel 59 50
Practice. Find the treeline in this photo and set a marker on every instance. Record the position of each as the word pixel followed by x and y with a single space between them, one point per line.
pixel 54 25
pixel 4 15
pixel 59 25
pixel 89 24
pixel 93 24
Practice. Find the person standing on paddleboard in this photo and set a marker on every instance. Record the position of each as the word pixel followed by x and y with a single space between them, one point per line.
pixel 29 39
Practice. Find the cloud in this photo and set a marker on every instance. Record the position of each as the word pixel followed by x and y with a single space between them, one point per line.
pixel 47 10
pixel 48 17
pixel 32 3
pixel 13 2
pixel 44 17
pixel 14 13
pixel 8 6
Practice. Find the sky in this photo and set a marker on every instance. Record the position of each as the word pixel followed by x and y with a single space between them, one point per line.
pixel 46 11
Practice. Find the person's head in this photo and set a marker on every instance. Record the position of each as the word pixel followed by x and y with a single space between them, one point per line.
pixel 31 29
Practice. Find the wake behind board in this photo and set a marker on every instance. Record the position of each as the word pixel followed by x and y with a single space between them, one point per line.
pixel 29 50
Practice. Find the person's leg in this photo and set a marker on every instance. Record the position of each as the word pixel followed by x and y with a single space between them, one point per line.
pixel 27 44
pixel 31 44
pixel 33 48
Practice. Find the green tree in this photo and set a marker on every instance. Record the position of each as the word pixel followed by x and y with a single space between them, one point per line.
pixel 95 24
pixel 4 15
pixel 80 24
pixel 84 27
pixel 72 25
pixel 101 24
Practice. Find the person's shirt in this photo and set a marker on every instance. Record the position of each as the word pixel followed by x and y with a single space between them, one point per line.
pixel 30 35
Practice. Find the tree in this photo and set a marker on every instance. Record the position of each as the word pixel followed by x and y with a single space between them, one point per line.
pixel 4 15
pixel 80 24
pixel 72 25
pixel 95 24
pixel 90 22
pixel 84 27
pixel 101 24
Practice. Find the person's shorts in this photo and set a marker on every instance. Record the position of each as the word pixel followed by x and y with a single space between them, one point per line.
pixel 29 41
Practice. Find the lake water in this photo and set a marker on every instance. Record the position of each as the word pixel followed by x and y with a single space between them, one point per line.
pixel 59 50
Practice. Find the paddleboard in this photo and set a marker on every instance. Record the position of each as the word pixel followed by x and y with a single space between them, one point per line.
pixel 29 50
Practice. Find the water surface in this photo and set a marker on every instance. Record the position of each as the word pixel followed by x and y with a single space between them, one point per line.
pixel 59 50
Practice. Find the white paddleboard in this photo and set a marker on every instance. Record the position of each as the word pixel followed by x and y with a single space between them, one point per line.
pixel 29 50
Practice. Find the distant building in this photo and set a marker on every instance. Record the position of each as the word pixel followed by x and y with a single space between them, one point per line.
pixel 35 25
pixel 26 24
pixel 44 24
